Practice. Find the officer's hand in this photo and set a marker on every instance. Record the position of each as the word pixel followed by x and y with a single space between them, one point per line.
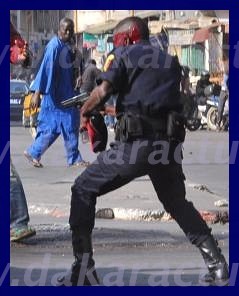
pixel 35 99
pixel 83 123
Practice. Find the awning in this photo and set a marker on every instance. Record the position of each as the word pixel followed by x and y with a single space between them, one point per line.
pixel 105 27
pixel 89 40
pixel 201 35
pixel 109 25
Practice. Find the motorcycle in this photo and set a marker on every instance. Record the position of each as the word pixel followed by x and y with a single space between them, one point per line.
pixel 203 112
pixel 193 120
pixel 212 92
pixel 212 115
pixel 194 113
pixel 206 109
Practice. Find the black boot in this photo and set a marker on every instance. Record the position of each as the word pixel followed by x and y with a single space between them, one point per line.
pixel 83 271
pixel 218 269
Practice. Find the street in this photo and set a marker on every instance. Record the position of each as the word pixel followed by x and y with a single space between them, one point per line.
pixel 136 242
pixel 129 250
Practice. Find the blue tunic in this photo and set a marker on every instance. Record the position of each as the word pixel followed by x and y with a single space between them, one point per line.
pixel 54 80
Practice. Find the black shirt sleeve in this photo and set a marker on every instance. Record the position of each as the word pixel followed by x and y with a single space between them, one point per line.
pixel 115 70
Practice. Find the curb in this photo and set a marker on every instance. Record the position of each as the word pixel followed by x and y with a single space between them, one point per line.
pixel 212 217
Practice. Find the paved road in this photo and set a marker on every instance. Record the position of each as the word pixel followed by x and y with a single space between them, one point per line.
pixel 48 189
pixel 126 252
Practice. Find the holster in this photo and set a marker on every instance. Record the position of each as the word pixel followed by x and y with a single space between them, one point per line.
pixel 176 126
pixel 129 127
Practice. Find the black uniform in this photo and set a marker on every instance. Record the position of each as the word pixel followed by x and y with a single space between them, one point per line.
pixel 148 85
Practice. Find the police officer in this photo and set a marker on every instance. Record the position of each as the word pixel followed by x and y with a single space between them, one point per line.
pixel 223 97
pixel 148 85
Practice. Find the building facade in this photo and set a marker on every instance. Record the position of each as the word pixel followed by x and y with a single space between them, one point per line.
pixel 198 37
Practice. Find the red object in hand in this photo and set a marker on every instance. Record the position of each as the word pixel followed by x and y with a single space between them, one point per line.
pixel 97 132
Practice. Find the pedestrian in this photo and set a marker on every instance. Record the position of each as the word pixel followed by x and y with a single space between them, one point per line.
pixel 148 85
pixel 224 94
pixel 19 50
pixel 19 216
pixel 202 84
pixel 89 78
pixel 110 119
pixel 54 81
pixel 78 65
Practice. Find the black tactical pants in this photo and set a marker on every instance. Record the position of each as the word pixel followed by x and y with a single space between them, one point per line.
pixel 122 163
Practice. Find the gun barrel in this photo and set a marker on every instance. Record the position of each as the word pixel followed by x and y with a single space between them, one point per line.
pixel 75 101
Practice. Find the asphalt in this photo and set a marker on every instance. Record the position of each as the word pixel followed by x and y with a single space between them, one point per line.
pixel 135 241
pixel 48 188
pixel 127 253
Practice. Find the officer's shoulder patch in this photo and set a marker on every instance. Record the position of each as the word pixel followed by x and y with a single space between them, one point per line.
pixel 108 62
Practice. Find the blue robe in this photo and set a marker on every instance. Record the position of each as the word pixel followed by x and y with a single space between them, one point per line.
pixel 55 81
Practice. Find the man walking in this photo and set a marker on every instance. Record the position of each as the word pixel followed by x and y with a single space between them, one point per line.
pixel 54 81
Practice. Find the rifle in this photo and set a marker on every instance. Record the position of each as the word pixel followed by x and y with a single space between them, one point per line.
pixel 76 101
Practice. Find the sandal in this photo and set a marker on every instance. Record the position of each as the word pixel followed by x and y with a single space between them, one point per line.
pixel 36 163
pixel 17 234
pixel 82 164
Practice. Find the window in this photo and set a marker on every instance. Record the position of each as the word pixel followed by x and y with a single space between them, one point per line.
pixel 18 87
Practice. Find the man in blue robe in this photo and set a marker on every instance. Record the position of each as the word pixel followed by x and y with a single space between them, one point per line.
pixel 54 81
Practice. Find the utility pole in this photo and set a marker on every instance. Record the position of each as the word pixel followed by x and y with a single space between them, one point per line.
pixel 75 17
pixel 76 20
pixel 19 21
pixel 29 24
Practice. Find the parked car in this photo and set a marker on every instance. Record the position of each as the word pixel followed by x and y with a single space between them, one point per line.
pixel 18 90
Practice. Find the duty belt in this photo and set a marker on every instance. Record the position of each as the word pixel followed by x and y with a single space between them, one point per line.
pixel 131 126
pixel 154 125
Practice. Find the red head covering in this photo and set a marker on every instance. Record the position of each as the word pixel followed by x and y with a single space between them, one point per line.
pixel 132 34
